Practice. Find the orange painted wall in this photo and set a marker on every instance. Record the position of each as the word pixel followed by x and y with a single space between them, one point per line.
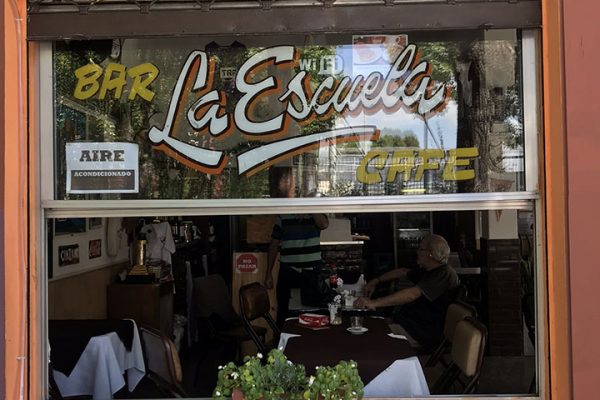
pixel 557 373
pixel 15 197
pixel 2 346
pixel 582 60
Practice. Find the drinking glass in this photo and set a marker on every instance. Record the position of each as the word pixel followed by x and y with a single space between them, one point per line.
pixel 356 322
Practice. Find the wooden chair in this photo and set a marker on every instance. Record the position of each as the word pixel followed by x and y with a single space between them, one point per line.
pixel 456 313
pixel 163 366
pixel 216 313
pixel 53 390
pixel 468 345
pixel 255 304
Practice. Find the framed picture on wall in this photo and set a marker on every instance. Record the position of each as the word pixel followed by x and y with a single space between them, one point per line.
pixel 95 248
pixel 68 255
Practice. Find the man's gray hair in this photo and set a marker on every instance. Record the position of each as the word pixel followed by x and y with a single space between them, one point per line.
pixel 438 246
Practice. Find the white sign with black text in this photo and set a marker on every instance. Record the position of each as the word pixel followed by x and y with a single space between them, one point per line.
pixel 102 167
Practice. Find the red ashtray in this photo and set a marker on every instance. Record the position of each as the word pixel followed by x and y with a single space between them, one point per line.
pixel 313 320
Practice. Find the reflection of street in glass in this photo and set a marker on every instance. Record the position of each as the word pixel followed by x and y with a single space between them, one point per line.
pixel 394 46
pixel 377 49
pixel 368 48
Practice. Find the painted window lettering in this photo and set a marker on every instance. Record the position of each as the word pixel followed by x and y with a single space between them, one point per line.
pixel 114 78
pixel 407 84
pixel 411 164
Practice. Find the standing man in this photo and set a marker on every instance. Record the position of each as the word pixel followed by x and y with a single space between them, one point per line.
pixel 424 304
pixel 297 239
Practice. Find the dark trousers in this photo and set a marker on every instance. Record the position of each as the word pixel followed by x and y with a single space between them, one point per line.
pixel 288 278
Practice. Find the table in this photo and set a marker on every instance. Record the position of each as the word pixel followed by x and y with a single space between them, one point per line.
pixel 105 359
pixel 387 364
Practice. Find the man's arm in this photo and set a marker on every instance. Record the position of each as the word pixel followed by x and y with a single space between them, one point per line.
pixel 403 296
pixel 271 257
pixel 321 221
pixel 395 274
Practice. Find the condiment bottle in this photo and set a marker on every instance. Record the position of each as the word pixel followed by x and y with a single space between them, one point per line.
pixel 333 277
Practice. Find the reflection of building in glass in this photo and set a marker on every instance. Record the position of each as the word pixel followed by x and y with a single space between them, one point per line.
pixel 513 159
pixel 337 175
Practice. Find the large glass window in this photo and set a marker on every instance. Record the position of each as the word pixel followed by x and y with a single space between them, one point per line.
pixel 351 115
pixel 393 135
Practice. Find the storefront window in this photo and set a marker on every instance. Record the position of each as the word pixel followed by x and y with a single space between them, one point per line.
pixel 348 115
pixel 406 134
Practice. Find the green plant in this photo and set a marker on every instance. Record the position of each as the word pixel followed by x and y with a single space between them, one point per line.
pixel 278 378
pixel 333 383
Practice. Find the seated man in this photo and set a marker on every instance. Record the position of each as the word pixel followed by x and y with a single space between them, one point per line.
pixel 424 304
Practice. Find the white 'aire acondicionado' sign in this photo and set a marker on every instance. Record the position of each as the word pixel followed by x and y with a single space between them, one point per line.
pixel 102 167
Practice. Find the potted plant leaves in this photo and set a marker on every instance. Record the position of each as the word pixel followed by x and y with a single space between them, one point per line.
pixel 341 381
pixel 278 378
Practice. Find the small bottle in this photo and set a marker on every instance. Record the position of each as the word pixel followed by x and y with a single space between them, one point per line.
pixel 174 229
pixel 333 278
pixel 177 230
pixel 181 229
pixel 360 289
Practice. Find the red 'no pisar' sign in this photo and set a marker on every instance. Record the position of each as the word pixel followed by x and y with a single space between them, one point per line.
pixel 246 263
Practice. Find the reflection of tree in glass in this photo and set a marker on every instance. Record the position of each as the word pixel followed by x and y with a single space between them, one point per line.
pixel 513 117
pixel 308 181
pixel 77 120
pixel 442 58
pixel 409 139
pixel 494 74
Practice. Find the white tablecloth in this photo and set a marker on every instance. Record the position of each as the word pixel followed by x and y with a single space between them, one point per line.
pixel 100 368
pixel 402 378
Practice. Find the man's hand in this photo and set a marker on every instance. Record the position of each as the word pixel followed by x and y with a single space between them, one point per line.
pixel 364 302
pixel 269 281
pixel 370 287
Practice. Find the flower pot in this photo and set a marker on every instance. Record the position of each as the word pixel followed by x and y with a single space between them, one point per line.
pixel 237 395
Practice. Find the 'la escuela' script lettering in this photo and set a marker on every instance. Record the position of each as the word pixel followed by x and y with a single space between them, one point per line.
pixel 408 84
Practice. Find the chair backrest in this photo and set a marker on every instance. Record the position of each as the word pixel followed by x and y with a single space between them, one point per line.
pixel 162 359
pixel 254 301
pixel 468 345
pixel 212 297
pixel 461 293
pixel 456 313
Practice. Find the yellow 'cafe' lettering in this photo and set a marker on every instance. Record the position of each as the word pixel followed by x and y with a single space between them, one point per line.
pixel 407 161
pixel 115 79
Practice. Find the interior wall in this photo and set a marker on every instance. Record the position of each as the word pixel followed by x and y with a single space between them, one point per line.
pixel 582 57
pixel 82 296
pixel 78 290
pixel 113 246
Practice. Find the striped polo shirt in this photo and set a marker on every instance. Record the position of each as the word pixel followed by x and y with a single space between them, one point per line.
pixel 300 241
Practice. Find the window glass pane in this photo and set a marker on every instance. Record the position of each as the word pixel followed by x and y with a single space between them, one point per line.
pixel 345 115
pixel 99 273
